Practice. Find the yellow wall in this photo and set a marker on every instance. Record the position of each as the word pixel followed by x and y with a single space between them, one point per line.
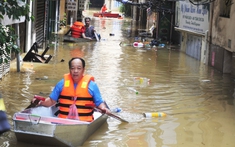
pixel 62 9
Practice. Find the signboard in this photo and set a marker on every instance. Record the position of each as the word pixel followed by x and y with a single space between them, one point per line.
pixel 192 17
pixel 71 5
pixel 8 21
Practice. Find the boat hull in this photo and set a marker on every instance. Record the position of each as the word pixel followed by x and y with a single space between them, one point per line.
pixel 67 38
pixel 53 131
pixel 107 14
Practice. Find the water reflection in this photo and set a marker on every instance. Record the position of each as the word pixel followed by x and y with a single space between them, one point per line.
pixel 198 100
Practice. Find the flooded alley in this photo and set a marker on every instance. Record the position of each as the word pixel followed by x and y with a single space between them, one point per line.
pixel 197 99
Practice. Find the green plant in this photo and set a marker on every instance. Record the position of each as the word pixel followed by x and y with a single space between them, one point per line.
pixel 63 22
pixel 126 9
pixel 14 9
pixel 7 39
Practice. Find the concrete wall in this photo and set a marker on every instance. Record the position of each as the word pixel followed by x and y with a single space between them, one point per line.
pixel 222 27
pixel 233 64
pixel 227 68
pixel 222 38
pixel 221 59
pixel 216 57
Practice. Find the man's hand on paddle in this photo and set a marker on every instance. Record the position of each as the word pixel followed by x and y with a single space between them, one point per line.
pixel 42 101
pixel 104 109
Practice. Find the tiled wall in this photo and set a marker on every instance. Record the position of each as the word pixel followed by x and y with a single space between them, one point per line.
pixel 4 69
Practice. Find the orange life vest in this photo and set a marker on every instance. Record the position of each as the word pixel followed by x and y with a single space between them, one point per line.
pixel 77 29
pixel 85 113
pixel 103 9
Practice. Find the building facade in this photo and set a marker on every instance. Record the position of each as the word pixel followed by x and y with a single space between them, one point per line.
pixel 222 36
pixel 207 33
pixel 192 21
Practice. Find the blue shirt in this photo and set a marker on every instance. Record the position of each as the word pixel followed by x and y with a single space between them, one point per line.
pixel 92 89
pixel 89 32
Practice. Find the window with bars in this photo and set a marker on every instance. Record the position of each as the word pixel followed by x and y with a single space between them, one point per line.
pixel 225 8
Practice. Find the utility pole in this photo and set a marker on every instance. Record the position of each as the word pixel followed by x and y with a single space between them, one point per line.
pixel 18 44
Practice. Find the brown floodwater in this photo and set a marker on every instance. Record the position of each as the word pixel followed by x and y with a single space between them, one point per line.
pixel 198 100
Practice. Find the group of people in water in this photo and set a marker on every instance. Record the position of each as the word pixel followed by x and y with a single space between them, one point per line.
pixel 87 31
pixel 79 30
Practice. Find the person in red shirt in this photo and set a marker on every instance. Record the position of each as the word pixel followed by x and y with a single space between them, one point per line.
pixel 103 9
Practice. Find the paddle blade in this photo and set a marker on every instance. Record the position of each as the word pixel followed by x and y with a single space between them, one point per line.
pixel 109 114
pixel 112 115
pixel 34 104
pixel 118 118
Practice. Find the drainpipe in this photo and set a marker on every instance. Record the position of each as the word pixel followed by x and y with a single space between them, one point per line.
pixel 110 5
pixel 210 32
pixel 206 51
pixel 28 28
pixel 171 29
pixel 33 23
pixel 157 25
pixel 134 12
pixel 56 16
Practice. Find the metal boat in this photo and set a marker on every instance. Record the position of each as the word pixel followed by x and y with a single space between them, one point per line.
pixel 40 126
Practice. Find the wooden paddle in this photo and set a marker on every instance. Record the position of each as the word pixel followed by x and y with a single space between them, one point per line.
pixel 35 103
pixel 109 114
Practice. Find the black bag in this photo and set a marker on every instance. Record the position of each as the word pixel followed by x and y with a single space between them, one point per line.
pixel 154 43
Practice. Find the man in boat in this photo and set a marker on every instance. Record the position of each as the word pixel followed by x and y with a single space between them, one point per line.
pixel 76 89
pixel 89 29
pixel 103 8
pixel 78 30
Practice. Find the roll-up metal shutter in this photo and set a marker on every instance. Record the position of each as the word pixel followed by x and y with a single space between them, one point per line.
pixel 40 21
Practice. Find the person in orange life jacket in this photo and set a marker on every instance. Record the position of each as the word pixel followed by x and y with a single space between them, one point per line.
pixel 78 30
pixel 103 8
pixel 76 85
